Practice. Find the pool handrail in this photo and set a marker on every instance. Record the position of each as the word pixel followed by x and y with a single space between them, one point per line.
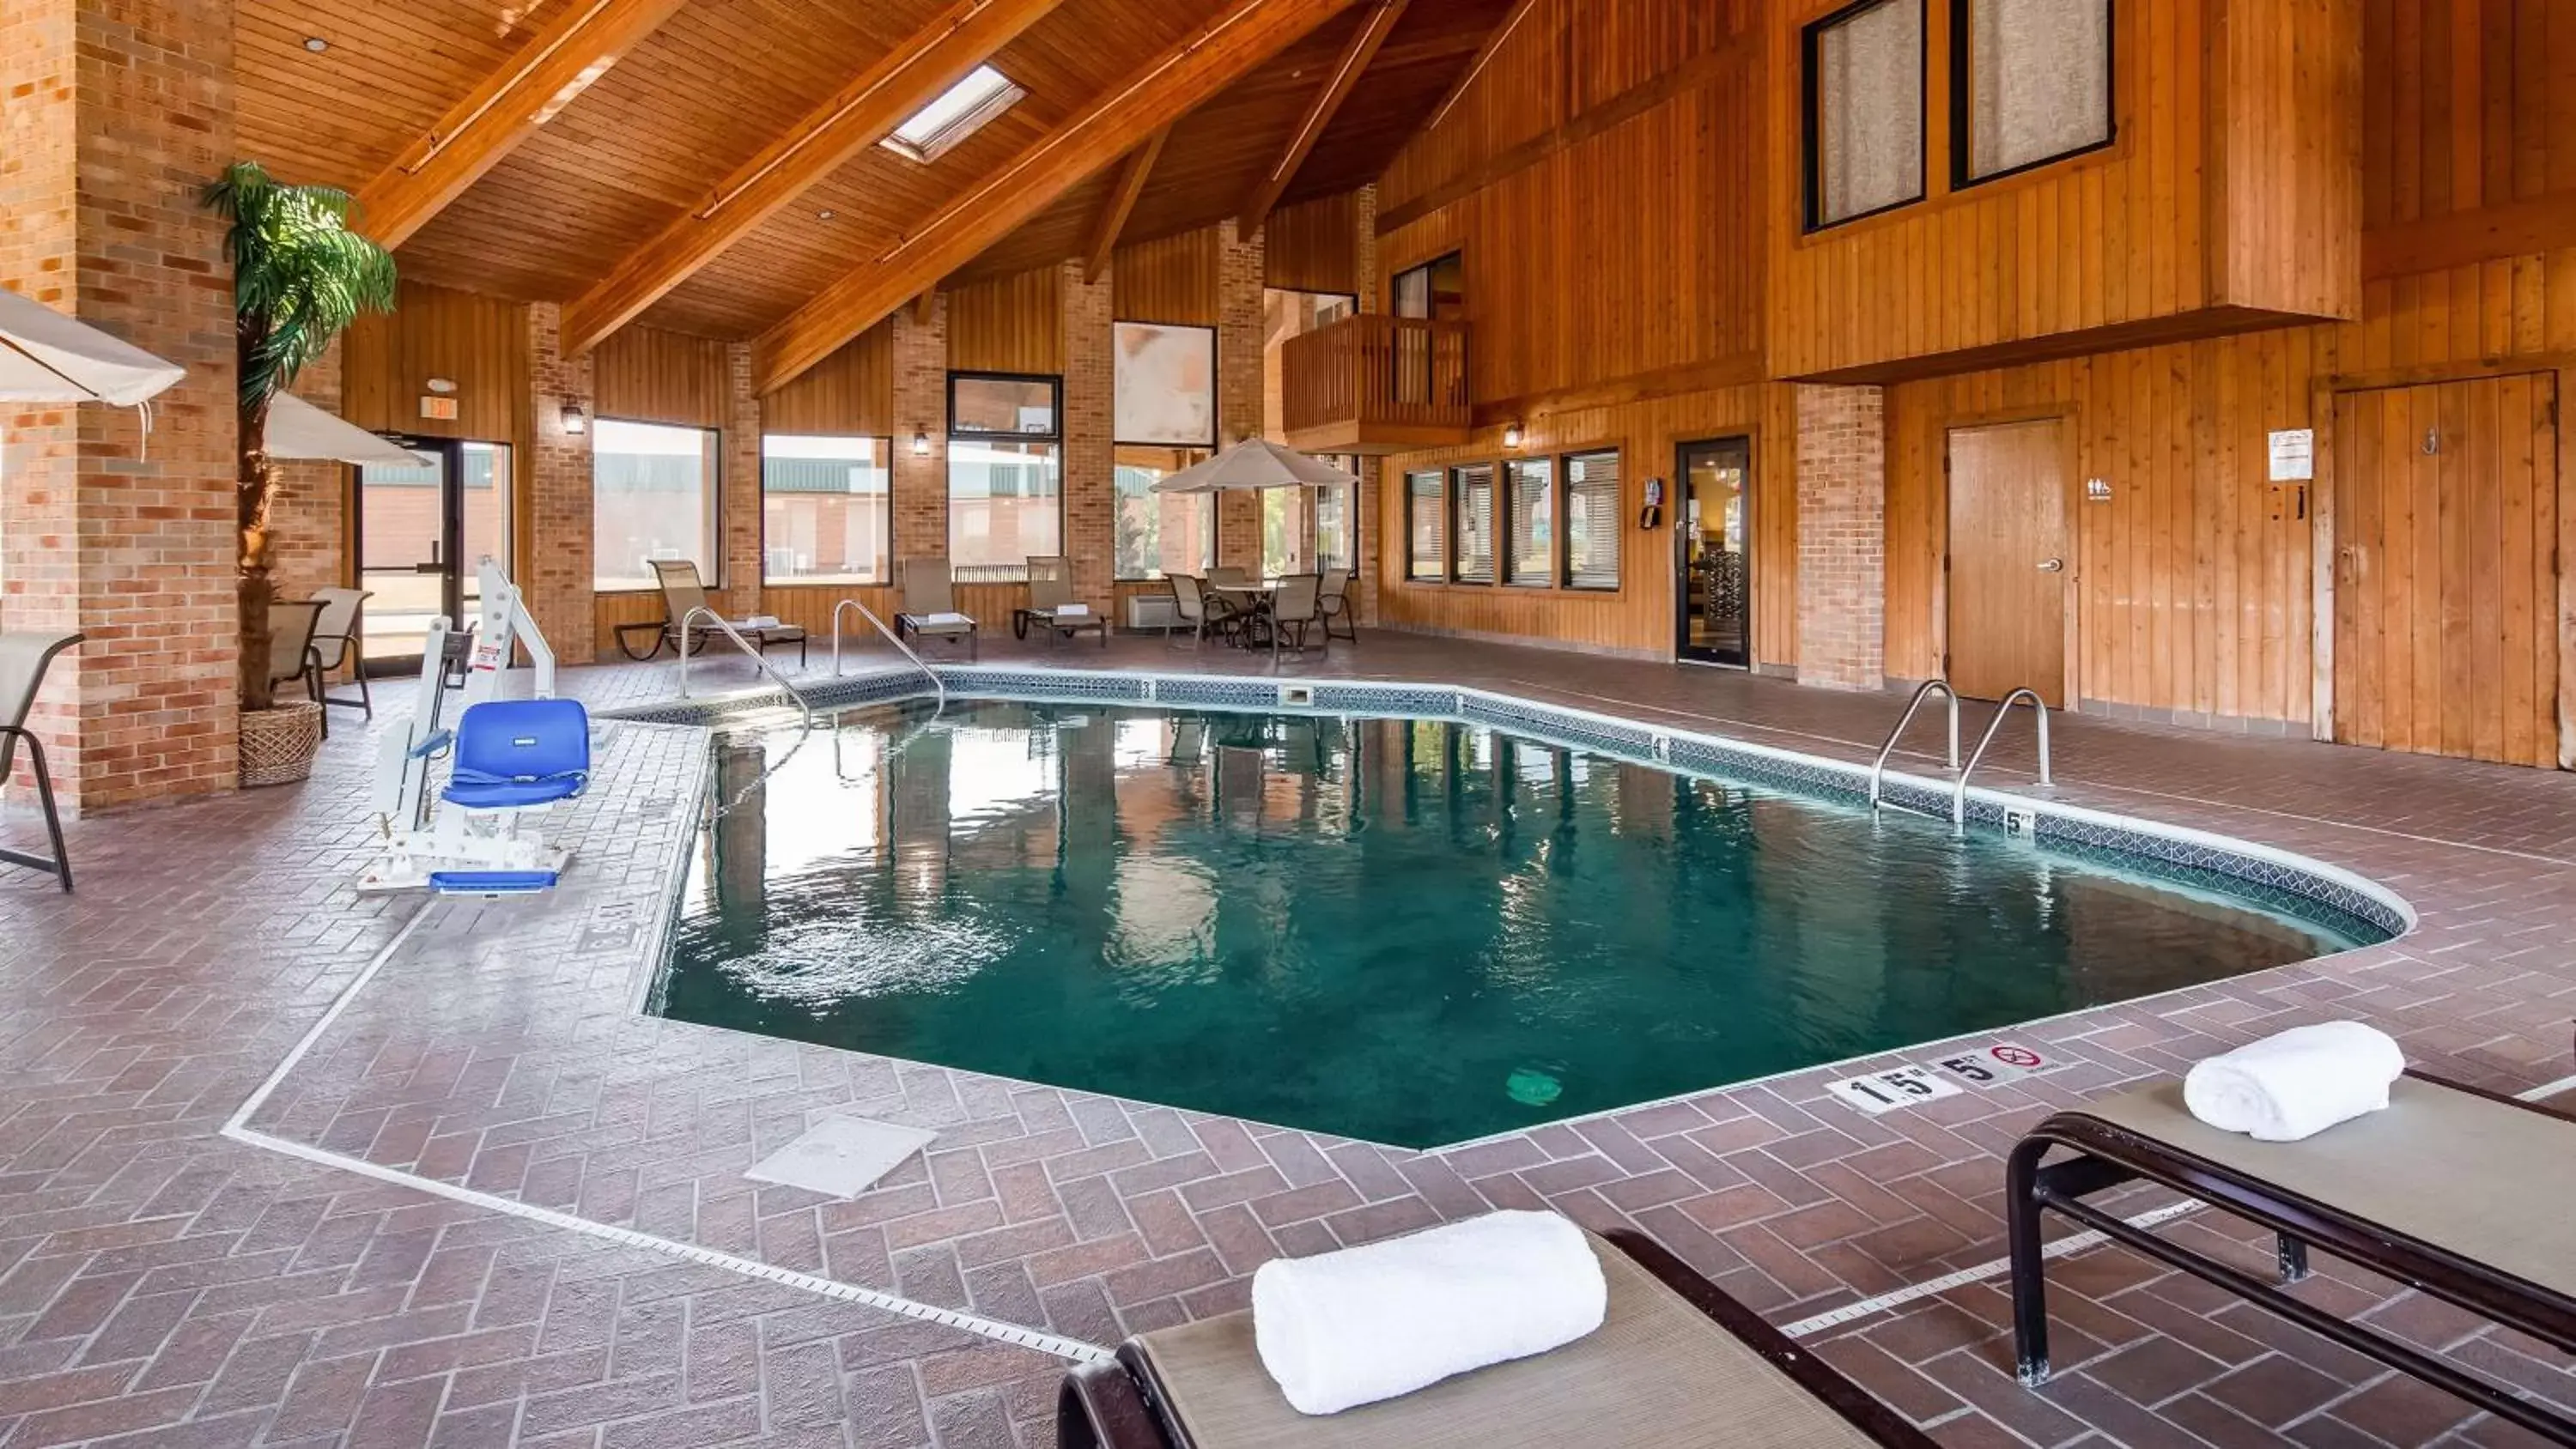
pixel 1878 767
pixel 2003 711
pixel 938 687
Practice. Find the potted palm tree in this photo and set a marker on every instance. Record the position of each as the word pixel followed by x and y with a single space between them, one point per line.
pixel 300 276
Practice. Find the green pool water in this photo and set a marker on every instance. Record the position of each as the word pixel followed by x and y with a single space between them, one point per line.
pixel 1405 931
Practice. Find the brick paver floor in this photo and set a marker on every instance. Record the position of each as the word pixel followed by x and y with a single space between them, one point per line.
pixel 487 1200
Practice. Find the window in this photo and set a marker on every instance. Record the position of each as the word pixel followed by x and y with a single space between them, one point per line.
pixel 1159 534
pixel 1594 517
pixel 826 514
pixel 1530 562
pixel 1337 539
pixel 652 496
pixel 1426 524
pixel 2030 82
pixel 1005 485
pixel 1436 290
pixel 1864 99
pixel 1283 530
pixel 957 113
pixel 1471 491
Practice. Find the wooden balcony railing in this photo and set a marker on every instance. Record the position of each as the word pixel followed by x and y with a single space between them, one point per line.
pixel 1373 383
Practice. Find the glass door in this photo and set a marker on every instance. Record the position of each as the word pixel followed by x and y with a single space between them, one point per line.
pixel 1713 543
pixel 422 528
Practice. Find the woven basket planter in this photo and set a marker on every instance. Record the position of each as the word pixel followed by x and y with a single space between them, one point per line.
pixel 278 745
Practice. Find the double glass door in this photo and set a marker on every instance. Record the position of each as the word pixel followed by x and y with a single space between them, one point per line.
pixel 422 530
pixel 1713 542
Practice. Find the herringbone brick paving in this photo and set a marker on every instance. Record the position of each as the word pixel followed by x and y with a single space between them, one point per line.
pixel 171 1286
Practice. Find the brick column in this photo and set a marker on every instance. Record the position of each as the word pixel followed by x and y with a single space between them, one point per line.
pixel 113 116
pixel 557 477
pixel 921 406
pixel 1242 272
pixel 1842 536
pixel 1090 424
pixel 741 510
pixel 308 539
pixel 1364 579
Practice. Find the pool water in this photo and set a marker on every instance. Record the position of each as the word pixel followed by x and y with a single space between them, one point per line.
pixel 1411 932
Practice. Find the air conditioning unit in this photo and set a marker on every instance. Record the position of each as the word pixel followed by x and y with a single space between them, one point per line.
pixel 1153 611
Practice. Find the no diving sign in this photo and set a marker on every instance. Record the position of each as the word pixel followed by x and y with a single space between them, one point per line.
pixel 1910 1085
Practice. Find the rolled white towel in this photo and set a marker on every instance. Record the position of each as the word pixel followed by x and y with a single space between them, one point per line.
pixel 2296 1083
pixel 1343 1329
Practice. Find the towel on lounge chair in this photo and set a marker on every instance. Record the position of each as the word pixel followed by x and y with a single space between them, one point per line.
pixel 2297 1083
pixel 1343 1329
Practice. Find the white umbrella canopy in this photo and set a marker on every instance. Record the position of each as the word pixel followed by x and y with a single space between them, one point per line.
pixel 1253 464
pixel 298 429
pixel 48 357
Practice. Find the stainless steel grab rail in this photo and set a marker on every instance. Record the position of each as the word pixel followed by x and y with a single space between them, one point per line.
pixel 937 687
pixel 2003 711
pixel 1878 767
pixel 761 662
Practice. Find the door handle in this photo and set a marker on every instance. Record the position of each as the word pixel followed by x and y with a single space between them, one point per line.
pixel 2052 565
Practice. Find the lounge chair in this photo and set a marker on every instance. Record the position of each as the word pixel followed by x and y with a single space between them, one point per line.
pixel 24 657
pixel 929 604
pixel 291 627
pixel 1337 607
pixel 337 644
pixel 1678 1365
pixel 683 594
pixel 2456 1191
pixel 1052 606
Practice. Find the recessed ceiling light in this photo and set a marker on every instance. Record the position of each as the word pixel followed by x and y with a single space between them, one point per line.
pixel 826 214
pixel 316 44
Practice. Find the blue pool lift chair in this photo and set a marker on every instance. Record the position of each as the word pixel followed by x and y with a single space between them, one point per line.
pixel 513 758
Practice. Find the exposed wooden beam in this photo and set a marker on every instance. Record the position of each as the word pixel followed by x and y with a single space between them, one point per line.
pixel 1484 57
pixel 1143 101
pixel 925 308
pixel 2454 239
pixel 863 113
pixel 1347 70
pixel 1122 201
pixel 546 74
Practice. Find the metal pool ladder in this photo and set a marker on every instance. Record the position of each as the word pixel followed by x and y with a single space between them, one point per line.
pixel 2003 711
pixel 937 687
pixel 1959 784
pixel 1878 767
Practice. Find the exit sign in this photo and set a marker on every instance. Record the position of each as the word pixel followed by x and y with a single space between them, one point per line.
pixel 441 409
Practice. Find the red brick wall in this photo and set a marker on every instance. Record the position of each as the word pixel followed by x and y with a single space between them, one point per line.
pixel 1241 279
pixel 558 587
pixel 1842 536
pixel 739 511
pixel 117 112
pixel 1090 422
pixel 306 540
pixel 921 406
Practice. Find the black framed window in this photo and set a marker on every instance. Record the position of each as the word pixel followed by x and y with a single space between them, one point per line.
pixel 1005 473
pixel 1863 67
pixel 1594 519
pixel 1426 531
pixel 1529 523
pixel 2030 83
pixel 653 496
pixel 1471 503
pixel 1434 291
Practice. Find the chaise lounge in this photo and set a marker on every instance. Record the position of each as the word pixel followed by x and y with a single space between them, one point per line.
pixel 1677 1365
pixel 2459 1192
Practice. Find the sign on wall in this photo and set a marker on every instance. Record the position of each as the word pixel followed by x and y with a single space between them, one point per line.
pixel 2294 455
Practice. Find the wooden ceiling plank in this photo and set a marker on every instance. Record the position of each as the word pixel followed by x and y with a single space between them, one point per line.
pixel 1132 175
pixel 1150 98
pixel 1484 57
pixel 864 112
pixel 1345 77
pixel 544 76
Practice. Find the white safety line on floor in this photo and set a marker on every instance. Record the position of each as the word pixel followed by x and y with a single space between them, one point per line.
pixel 237 1129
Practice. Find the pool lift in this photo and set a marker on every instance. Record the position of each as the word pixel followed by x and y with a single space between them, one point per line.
pixel 511 760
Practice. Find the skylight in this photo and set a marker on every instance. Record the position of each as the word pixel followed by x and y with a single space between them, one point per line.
pixel 954 116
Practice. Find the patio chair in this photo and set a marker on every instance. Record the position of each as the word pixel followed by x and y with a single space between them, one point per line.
pixel 1197 610
pixel 929 605
pixel 2454 1190
pixel 683 594
pixel 291 627
pixel 1337 607
pixel 1230 578
pixel 1677 1363
pixel 337 643
pixel 1296 607
pixel 1052 605
pixel 24 657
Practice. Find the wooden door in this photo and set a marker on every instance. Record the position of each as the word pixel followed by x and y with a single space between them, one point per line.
pixel 2446 570
pixel 2009 560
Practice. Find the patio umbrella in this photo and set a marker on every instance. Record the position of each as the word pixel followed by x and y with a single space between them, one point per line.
pixel 1254 464
pixel 48 357
pixel 298 429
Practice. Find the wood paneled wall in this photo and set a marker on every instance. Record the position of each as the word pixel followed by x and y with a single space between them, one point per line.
pixel 647 375
pixel 2228 200
pixel 1008 324
pixel 1174 279
pixel 1310 247
pixel 2476 142
pixel 479 343
pixel 850 393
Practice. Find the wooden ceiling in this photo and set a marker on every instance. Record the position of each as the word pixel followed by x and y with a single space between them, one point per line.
pixel 720 79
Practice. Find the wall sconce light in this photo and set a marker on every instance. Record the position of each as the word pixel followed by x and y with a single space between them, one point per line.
pixel 1511 435
pixel 920 443
pixel 575 420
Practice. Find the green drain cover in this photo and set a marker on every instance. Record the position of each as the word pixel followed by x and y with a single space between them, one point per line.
pixel 1533 1088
